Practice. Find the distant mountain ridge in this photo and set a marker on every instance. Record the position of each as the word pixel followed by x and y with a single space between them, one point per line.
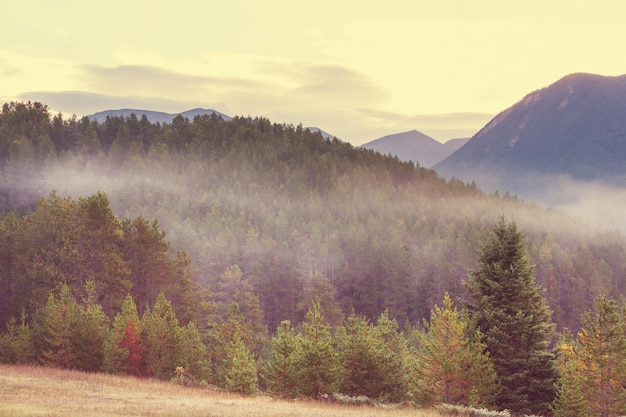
pixel 155 116
pixel 575 127
pixel 415 146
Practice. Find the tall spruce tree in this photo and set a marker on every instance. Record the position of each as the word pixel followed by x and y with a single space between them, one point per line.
pixel 507 306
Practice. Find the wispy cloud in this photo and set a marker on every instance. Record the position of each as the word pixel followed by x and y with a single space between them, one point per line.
pixel 7 69
pixel 155 81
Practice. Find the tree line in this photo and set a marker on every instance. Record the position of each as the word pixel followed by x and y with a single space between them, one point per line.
pixel 280 212
pixel 495 352
pixel 310 268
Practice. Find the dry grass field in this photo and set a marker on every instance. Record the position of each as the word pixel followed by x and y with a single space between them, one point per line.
pixel 47 392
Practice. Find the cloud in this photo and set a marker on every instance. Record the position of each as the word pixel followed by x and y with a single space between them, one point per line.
pixel 323 86
pixel 154 81
pixel 7 69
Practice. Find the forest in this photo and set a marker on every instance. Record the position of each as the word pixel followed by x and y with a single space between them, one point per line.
pixel 238 237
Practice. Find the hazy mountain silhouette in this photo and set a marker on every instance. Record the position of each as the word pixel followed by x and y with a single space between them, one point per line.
pixel 574 129
pixel 415 146
pixel 155 116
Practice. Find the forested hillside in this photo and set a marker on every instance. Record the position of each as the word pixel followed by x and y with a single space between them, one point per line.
pixel 268 215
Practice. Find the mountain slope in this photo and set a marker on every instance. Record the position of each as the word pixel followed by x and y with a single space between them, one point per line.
pixel 414 146
pixel 575 127
pixel 155 116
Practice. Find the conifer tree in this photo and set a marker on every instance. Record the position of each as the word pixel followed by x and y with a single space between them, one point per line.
pixel 602 356
pixel 161 337
pixel 353 340
pixel 123 348
pixel 240 367
pixel 57 329
pixel 17 345
pixel 570 398
pixel 224 333
pixel 509 309
pixel 389 348
pixel 318 363
pixel 193 356
pixel 280 369
pixel 91 332
pixel 452 366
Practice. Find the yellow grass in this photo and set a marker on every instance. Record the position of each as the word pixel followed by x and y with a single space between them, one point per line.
pixel 36 391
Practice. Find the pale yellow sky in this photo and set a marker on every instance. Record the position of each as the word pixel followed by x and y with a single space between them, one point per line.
pixel 356 69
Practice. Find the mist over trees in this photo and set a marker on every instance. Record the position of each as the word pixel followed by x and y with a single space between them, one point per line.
pixel 242 252
pixel 285 205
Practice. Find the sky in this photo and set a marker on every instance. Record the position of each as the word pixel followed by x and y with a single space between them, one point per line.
pixel 359 70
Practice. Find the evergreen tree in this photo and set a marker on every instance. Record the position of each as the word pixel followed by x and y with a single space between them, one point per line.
pixel 221 337
pixel 602 357
pixel 91 332
pixel 193 356
pixel 570 398
pixel 508 308
pixel 389 349
pixel 17 345
pixel 56 333
pixel 123 348
pixel 280 369
pixel 452 366
pixel 319 368
pixel 354 347
pixel 240 370
pixel 319 286
pixel 161 336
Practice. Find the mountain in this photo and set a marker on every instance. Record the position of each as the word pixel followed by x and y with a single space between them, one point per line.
pixel 573 129
pixel 155 116
pixel 414 146
pixel 324 134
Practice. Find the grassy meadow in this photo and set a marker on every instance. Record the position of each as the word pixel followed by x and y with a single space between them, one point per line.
pixel 48 392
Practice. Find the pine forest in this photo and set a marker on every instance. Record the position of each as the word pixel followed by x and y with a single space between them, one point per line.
pixel 261 257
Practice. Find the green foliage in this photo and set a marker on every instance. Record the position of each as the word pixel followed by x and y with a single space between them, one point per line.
pixel 240 370
pixel 390 352
pixel 67 242
pixel 300 217
pixel 373 358
pixel 91 332
pixel 193 355
pixel 221 336
pixel 508 308
pixel 601 358
pixel 570 398
pixel 281 368
pixel 449 366
pixel 161 335
pixel 319 286
pixel 17 344
pixel 280 201
pixel 319 370
pixel 354 347
pixel 123 348
pixel 56 331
